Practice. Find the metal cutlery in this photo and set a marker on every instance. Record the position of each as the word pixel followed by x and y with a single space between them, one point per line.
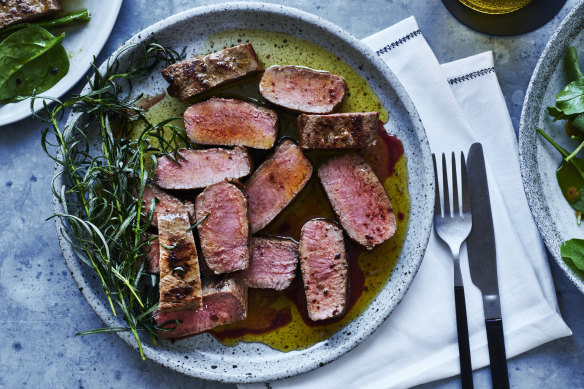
pixel 482 260
pixel 453 228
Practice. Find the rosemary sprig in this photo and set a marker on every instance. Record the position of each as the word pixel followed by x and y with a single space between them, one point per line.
pixel 102 191
pixel 198 223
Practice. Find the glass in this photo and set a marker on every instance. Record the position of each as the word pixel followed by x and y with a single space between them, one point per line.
pixel 503 17
pixel 495 6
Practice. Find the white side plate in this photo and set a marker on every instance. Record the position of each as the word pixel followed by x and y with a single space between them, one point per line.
pixel 82 43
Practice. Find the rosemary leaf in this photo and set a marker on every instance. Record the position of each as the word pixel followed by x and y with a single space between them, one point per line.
pixel 198 223
pixel 101 190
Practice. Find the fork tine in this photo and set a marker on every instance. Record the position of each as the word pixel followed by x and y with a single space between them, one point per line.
pixel 455 205
pixel 465 193
pixel 445 187
pixel 437 210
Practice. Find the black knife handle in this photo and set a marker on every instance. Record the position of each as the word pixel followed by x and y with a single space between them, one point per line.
pixel 499 374
pixel 463 342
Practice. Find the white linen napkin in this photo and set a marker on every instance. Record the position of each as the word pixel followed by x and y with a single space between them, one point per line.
pixel 459 103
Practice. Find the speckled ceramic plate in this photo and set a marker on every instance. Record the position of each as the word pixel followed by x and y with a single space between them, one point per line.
pixel 539 160
pixel 204 357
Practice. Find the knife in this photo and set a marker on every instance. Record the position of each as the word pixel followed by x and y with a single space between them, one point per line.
pixel 482 260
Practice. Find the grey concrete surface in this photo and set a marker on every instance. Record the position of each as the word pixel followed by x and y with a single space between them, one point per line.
pixel 42 308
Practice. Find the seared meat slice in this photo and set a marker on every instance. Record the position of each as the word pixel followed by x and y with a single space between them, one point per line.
pixel 21 11
pixel 323 262
pixel 165 203
pixel 190 77
pixel 275 184
pixel 338 131
pixel 224 302
pixel 303 89
pixel 359 200
pixel 231 122
pixel 180 279
pixel 273 263
pixel 224 235
pixel 202 168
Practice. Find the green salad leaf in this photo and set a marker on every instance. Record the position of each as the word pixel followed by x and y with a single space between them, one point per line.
pixel 32 60
pixel 573 250
pixel 571 180
pixel 572 65
pixel 570 100
pixel 570 175
pixel 39 75
pixel 578 122
pixel 558 114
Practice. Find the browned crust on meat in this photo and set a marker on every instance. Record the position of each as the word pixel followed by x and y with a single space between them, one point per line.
pixel 231 290
pixel 193 76
pixel 21 11
pixel 233 285
pixel 338 131
pixel 180 281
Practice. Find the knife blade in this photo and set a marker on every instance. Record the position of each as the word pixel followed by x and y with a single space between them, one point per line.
pixel 482 260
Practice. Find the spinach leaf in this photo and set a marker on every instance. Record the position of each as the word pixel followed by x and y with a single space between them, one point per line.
pixel 570 175
pixel 578 122
pixel 571 99
pixel 39 75
pixel 23 54
pixel 571 180
pixel 573 250
pixel 557 114
pixel 572 65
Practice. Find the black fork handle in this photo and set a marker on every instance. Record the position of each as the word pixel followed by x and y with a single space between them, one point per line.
pixel 497 355
pixel 463 341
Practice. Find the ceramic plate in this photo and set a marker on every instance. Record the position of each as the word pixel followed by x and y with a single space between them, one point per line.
pixel 539 160
pixel 203 356
pixel 82 43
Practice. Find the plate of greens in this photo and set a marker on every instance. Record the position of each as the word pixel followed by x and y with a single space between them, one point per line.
pixel 551 139
pixel 47 55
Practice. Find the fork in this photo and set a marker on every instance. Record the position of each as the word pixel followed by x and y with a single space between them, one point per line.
pixel 453 228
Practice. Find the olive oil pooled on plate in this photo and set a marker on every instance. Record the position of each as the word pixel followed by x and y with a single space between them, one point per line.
pixel 279 319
